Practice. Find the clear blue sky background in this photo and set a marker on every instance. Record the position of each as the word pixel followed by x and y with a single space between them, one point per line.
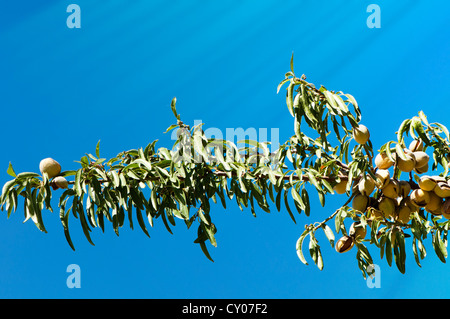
pixel 62 90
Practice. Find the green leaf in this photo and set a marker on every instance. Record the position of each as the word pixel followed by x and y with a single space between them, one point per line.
pixel 173 105
pixel 286 204
pixel 299 248
pixel 297 198
pixel 64 216
pixel 171 127
pixel 388 248
pixel 416 255
pixel 289 98
pixel 83 221
pixel 26 175
pixel 319 261
pixel 402 129
pixel 292 62
pixel 439 247
pixel 163 216
pixel 210 230
pixel 328 233
pixel 444 129
pixel 341 103
pixel 305 198
pixel 10 170
pixel 417 124
pixel 97 149
pixel 37 212
pixel 6 187
pixel 202 216
pixel 205 250
pixel 78 188
pixel 278 199
pixel 281 84
pixel 423 117
pixel 400 152
pixel 399 251
pixel 141 221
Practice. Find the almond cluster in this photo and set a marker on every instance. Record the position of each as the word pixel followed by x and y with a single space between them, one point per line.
pixel 395 200
pixel 52 168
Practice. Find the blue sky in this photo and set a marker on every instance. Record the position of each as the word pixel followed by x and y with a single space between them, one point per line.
pixel 62 90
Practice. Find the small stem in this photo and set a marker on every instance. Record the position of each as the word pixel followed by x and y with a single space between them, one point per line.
pixel 334 214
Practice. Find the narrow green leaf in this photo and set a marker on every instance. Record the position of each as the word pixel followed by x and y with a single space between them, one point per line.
pixel 292 62
pixel 64 216
pixel 163 216
pixel 6 187
pixel 26 175
pixel 419 129
pixel 305 198
pixel 173 105
pixel 444 129
pixel 299 248
pixel 416 255
pixel 400 152
pixel 328 233
pixel 78 188
pixel 171 127
pixel 84 224
pixel 10 170
pixel 281 84
pixel 205 250
pixel 297 198
pixel 141 221
pixel 210 230
pixel 97 149
pixel 439 247
pixel 402 129
pixel 286 204
pixel 289 98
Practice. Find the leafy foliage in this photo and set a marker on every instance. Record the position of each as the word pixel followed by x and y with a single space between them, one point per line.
pixel 179 184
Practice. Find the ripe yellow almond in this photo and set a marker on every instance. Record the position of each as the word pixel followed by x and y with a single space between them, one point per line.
pixel 366 185
pixel 445 210
pixel 422 158
pixel 435 203
pixel 382 161
pixel 404 214
pixel 383 178
pixel 416 145
pixel 404 188
pixel 60 182
pixel 360 202
pixel 50 166
pixel 406 165
pixel 419 197
pixel 411 206
pixel 421 170
pixel 361 134
pixel 427 183
pixel 387 207
pixel 340 187
pixel 391 190
pixel 344 244
pixel 442 189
